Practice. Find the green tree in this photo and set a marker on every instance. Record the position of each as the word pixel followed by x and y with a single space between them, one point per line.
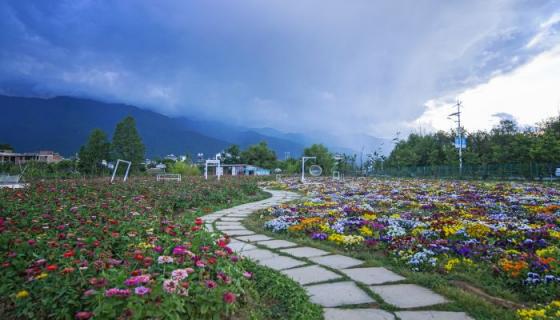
pixel 94 151
pixel 6 146
pixel 231 155
pixel 259 155
pixel 184 169
pixel 324 158
pixel 127 144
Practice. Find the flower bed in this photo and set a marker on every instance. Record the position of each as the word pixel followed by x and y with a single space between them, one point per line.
pixel 507 229
pixel 79 250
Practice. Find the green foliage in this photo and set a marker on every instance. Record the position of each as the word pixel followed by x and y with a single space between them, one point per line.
pixel 184 169
pixel 324 157
pixel 127 144
pixel 506 143
pixel 259 155
pixel 6 146
pixel 232 155
pixel 285 298
pixel 94 151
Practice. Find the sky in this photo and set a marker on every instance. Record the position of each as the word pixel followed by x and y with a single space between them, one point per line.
pixel 343 67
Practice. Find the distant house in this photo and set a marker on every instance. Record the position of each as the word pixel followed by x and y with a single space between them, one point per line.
pixel 256 171
pixel 171 157
pixel 8 156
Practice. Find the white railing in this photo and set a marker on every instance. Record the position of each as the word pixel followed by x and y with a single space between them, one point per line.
pixel 168 176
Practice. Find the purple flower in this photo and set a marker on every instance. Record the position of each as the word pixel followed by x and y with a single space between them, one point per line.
pixel 319 236
pixel 142 290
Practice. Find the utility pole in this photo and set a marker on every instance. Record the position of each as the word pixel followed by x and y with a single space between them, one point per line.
pixel 460 133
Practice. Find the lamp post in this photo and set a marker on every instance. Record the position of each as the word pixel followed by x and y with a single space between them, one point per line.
pixel 303 159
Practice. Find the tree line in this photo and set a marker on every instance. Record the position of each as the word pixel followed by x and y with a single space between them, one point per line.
pixel 506 143
pixel 126 144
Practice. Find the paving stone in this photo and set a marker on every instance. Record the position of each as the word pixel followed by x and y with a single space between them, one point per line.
pixel 275 244
pixel 281 262
pixel 239 246
pixel 337 261
pixel 209 227
pixel 259 254
pixel 372 275
pixel 254 238
pixel 432 315
pixel 356 314
pixel 408 295
pixel 230 219
pixel 238 232
pixel 311 274
pixel 337 294
pixel 305 252
pixel 239 227
pixel 224 224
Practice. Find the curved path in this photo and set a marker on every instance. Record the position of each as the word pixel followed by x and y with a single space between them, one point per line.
pixel 336 282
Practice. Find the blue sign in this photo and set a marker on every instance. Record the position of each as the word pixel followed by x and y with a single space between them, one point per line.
pixel 461 143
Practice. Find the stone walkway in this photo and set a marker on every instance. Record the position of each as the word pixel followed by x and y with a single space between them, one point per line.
pixel 338 283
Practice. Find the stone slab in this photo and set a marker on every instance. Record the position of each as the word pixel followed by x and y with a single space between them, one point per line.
pixel 281 263
pixel 356 314
pixel 408 295
pixel 237 227
pixel 254 238
pixel 337 294
pixel 224 224
pixel 238 232
pixel 259 254
pixel 275 244
pixel 337 261
pixel 232 219
pixel 311 274
pixel 305 252
pixel 239 246
pixel 432 315
pixel 372 275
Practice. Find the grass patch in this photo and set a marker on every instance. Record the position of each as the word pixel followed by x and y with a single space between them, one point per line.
pixel 277 297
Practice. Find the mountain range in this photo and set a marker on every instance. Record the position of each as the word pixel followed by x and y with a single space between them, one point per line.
pixel 63 124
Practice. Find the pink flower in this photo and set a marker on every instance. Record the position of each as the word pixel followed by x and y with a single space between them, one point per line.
pixel 229 297
pixel 121 293
pixel 170 286
pixel 133 281
pixel 83 315
pixel 179 251
pixel 210 284
pixel 200 264
pixel 179 274
pixel 247 274
pixel 142 290
pixel 164 259
pixel 158 249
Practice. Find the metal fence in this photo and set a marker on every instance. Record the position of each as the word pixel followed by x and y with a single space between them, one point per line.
pixel 507 171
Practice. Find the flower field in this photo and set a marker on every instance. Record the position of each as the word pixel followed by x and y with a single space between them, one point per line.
pixel 91 249
pixel 508 230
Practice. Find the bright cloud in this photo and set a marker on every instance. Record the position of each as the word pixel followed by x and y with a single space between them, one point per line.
pixel 530 94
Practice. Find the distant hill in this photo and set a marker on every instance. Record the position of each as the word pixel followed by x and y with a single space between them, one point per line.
pixel 63 124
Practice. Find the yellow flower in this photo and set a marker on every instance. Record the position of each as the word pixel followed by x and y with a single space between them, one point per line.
pixel 43 275
pixel 22 294
pixel 395 216
pixel 366 231
pixel 370 216
pixel 555 234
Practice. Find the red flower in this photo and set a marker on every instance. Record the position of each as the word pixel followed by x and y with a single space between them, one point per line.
pixel 198 221
pixel 68 254
pixel 52 267
pixel 83 315
pixel 229 297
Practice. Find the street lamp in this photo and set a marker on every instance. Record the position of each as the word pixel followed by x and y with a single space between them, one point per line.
pixel 303 159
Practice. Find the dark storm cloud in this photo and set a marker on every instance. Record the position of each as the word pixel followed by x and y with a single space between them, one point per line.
pixel 348 67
